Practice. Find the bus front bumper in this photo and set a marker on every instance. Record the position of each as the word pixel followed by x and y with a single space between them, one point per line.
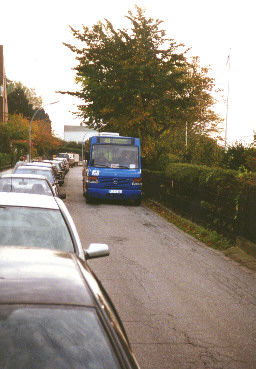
pixel 100 193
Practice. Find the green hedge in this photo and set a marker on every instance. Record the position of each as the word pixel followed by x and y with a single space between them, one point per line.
pixel 5 161
pixel 219 199
pixel 70 149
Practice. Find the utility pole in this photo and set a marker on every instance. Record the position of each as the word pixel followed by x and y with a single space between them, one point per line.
pixel 30 124
pixel 186 135
pixel 226 129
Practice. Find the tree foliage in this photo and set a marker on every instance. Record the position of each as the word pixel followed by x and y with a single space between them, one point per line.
pixel 23 100
pixel 30 93
pixel 19 104
pixel 43 141
pixel 240 157
pixel 139 82
pixel 179 146
pixel 14 136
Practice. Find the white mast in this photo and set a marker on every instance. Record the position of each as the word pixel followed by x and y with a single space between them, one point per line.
pixel 226 129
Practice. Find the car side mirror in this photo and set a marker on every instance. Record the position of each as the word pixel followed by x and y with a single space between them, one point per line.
pixel 62 196
pixel 96 250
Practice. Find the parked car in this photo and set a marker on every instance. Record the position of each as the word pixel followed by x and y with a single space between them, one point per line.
pixel 56 173
pixel 60 168
pixel 43 170
pixel 55 314
pixel 37 221
pixel 65 161
pixel 28 183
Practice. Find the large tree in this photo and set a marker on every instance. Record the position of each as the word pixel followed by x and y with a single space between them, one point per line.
pixel 19 104
pixel 24 100
pixel 30 93
pixel 139 82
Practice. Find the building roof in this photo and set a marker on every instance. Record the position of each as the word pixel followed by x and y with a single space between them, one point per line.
pixel 76 129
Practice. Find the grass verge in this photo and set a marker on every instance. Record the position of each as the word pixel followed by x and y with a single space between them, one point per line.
pixel 208 237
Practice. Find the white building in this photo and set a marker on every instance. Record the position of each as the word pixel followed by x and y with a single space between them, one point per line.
pixel 78 133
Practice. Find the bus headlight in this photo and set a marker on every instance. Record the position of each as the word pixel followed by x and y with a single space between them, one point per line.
pixel 137 182
pixel 93 179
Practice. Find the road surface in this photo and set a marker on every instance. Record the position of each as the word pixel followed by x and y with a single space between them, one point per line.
pixel 184 305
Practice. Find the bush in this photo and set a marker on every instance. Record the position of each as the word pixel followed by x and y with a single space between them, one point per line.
pixel 239 156
pixel 5 160
pixel 167 159
pixel 219 199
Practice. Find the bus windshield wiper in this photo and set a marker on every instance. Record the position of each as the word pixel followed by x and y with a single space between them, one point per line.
pixel 124 166
pixel 101 165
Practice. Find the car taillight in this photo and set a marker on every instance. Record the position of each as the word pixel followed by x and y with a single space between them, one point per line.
pixel 137 182
pixel 93 179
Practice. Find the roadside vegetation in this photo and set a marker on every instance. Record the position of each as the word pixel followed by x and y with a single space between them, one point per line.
pixel 141 83
pixel 14 134
pixel 209 237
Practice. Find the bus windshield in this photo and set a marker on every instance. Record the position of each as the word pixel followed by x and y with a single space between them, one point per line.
pixel 115 156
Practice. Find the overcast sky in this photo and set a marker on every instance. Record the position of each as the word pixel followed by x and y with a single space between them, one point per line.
pixel 32 33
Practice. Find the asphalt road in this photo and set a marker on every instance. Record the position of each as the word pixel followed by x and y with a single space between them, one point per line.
pixel 183 304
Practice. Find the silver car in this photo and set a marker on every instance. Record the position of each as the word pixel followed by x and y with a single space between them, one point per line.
pixel 28 183
pixel 42 222
pixel 40 170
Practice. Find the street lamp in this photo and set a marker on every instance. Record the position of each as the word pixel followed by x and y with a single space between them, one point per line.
pixel 83 140
pixel 31 124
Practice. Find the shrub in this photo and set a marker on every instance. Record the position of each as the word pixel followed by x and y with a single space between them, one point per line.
pixel 219 199
pixel 5 160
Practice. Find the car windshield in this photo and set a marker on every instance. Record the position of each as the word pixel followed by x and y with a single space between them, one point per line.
pixel 25 185
pixel 57 165
pixel 115 156
pixel 64 156
pixel 34 227
pixel 53 337
pixel 39 171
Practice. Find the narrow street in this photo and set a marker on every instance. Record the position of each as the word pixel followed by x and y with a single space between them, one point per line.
pixel 183 304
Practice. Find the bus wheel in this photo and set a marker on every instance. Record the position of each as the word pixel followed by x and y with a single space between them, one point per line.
pixel 88 199
pixel 137 202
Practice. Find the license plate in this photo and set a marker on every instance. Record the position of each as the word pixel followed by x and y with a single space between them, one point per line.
pixel 115 191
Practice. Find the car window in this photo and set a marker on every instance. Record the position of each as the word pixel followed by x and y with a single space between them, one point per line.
pixel 25 185
pixel 34 227
pixel 58 166
pixel 53 337
pixel 41 172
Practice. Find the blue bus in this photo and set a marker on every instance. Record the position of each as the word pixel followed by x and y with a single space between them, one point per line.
pixel 112 168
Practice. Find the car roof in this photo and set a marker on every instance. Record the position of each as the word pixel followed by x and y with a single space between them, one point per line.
pixel 28 200
pixel 41 167
pixel 41 276
pixel 39 163
pixel 28 176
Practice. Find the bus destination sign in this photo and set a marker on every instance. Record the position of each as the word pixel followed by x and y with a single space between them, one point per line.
pixel 116 140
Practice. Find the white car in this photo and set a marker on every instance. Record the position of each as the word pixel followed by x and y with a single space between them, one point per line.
pixel 40 170
pixel 28 220
pixel 28 183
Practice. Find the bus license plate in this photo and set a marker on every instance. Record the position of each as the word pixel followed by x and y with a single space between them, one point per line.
pixel 115 191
